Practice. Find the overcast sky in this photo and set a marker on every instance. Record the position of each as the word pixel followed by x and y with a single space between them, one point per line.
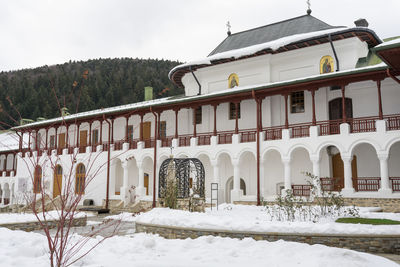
pixel 44 32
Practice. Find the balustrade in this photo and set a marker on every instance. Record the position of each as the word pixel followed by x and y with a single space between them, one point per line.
pixel 301 190
pixel 362 125
pixel 273 133
pixel 367 184
pixel 329 127
pixel 204 139
pixel 166 141
pixel 395 183
pixel 300 130
pixel 248 136
pixel 225 138
pixel 149 143
pixel 184 140
pixel 392 122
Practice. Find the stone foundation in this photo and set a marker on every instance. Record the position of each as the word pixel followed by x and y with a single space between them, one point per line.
pixel 33 226
pixel 387 204
pixel 363 243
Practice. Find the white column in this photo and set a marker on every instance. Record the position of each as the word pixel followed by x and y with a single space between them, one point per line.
pixel 141 191
pixel 125 187
pixel 287 173
pixel 217 179
pixel 315 159
pixel 385 185
pixel 348 181
pixel 235 193
pixel 262 182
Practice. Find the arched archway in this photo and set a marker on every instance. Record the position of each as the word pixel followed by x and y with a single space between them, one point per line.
pixel 57 181
pixel 229 188
pixel 80 179
pixel 147 165
pixel 248 174
pixel 1 193
pixel 365 168
pixel 394 166
pixel 118 176
pixel 273 174
pixel 225 171
pixel 205 160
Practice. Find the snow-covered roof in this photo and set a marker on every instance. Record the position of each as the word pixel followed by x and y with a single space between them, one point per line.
pixel 389 44
pixel 184 99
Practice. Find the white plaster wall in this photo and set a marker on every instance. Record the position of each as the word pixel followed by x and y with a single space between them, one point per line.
pixel 367 161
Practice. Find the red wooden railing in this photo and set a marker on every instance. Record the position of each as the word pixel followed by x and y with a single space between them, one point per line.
pixel 204 139
pixel 225 138
pixel 366 183
pixel 118 144
pixel 329 127
pixel 132 144
pixel 6 201
pixel 327 183
pixel 301 190
pixel 184 140
pixel 248 136
pixel 362 125
pixel 273 133
pixel 392 122
pixel 300 130
pixel 166 141
pixel 82 149
pixel 105 146
pixel 71 150
pixel 148 143
pixel 395 183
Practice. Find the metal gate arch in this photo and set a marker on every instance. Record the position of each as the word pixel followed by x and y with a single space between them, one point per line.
pixel 183 169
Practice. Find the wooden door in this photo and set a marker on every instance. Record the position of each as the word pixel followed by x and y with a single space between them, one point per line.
pixel 146 130
pixel 338 171
pixel 83 138
pixel 146 182
pixel 61 140
pixel 335 108
pixel 57 183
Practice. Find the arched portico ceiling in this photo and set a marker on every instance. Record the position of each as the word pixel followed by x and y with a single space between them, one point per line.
pixel 244 153
pixel 223 153
pixel 365 142
pixel 299 146
pixel 323 146
pixel 391 143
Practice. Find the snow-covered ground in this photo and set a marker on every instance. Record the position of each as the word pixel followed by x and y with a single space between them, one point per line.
pixel 256 219
pixel 30 217
pixel 19 248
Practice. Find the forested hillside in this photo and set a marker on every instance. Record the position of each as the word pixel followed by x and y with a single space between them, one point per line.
pixel 96 83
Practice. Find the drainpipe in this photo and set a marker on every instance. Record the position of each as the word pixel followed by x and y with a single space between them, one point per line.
pixel 334 52
pixel 108 161
pixel 392 76
pixel 197 81
pixel 258 147
pixel 155 156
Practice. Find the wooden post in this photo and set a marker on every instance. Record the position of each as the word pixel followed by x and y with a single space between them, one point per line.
pixel 56 138
pixel 258 113
pixel 194 121
pixel 236 117
pixel 126 128
pixel 159 125
pixel 112 130
pixel 101 131
pixel 45 144
pixel 286 112
pixel 90 133
pixel 141 128
pixel 176 123
pixel 77 134
pixel 29 141
pixel 215 120
pixel 67 136
pixel 314 119
pixel 344 118
pixel 378 84
pixel 21 138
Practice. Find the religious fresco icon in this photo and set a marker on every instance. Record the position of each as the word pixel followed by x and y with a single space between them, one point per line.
pixel 233 80
pixel 326 64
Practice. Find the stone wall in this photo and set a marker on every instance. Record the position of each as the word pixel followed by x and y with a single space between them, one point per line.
pixel 363 243
pixel 387 204
pixel 33 226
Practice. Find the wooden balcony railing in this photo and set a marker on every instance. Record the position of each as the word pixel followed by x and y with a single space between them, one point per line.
pixel 82 149
pixel 327 183
pixel 71 150
pixel 204 139
pixel 300 130
pixel 149 143
pixel 118 144
pixel 329 127
pixel 132 144
pixel 248 136
pixel 166 141
pixel 301 190
pixel 184 140
pixel 225 138
pixel 392 122
pixel 105 146
pixel 362 125
pixel 273 133
pixel 395 183
pixel 368 184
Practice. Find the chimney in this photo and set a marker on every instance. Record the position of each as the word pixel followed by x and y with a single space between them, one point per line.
pixel 361 23
pixel 148 93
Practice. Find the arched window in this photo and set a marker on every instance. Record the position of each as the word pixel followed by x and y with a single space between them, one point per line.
pixel 37 180
pixel 80 179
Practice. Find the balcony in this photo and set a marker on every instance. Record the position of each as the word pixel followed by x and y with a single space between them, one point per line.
pixel 366 184
pixel 248 136
pixel 225 138
pixel 204 139
pixel 166 141
pixel 301 190
pixel 184 140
